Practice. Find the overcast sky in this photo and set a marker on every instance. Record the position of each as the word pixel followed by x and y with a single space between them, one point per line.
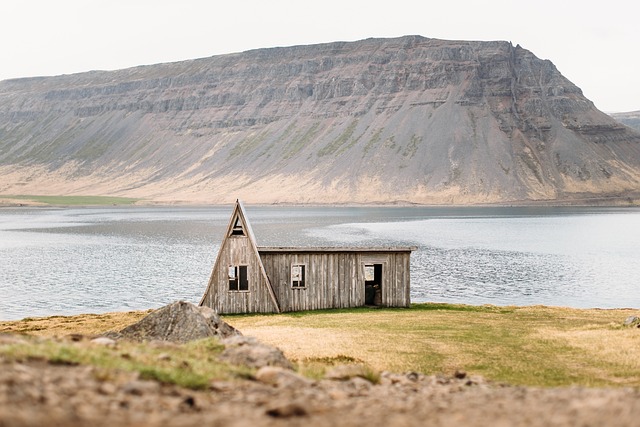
pixel 595 44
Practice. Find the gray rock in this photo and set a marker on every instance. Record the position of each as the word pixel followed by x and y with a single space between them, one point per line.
pixel 287 410
pixel 105 341
pixel 280 377
pixel 248 351
pixel 178 322
pixel 345 372
pixel 632 321
pixel 140 387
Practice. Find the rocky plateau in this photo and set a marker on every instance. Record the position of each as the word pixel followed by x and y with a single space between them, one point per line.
pixel 404 120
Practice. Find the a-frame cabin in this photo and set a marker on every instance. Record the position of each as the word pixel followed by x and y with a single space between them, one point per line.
pixel 251 279
pixel 239 283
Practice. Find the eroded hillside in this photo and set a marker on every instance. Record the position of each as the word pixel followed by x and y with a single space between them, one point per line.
pixel 376 121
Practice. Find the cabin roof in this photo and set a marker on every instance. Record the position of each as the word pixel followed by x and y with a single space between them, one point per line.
pixel 298 249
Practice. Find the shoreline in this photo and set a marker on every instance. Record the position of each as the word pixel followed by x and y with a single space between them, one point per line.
pixel 134 312
pixel 17 201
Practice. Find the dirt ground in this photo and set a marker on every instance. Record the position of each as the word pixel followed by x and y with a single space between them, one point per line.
pixel 38 393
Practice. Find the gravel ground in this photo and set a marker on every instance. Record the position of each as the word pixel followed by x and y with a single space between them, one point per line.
pixel 37 393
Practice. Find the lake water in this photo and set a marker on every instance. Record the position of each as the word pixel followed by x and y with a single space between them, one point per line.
pixel 93 260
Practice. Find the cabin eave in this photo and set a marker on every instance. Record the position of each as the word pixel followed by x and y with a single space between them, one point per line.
pixel 294 250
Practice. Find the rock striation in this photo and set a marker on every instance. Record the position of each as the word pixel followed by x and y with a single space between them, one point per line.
pixel 409 119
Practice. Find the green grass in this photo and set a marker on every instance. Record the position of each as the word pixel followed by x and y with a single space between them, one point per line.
pixel 533 346
pixel 300 140
pixel 193 365
pixel 372 142
pixel 411 148
pixel 248 144
pixel 538 346
pixel 73 200
pixel 342 142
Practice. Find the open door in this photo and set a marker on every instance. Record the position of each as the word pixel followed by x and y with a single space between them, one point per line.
pixel 373 284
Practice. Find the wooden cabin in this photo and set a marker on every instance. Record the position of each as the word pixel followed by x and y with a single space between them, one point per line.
pixel 247 278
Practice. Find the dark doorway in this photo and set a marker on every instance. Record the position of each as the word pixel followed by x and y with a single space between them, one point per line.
pixel 373 284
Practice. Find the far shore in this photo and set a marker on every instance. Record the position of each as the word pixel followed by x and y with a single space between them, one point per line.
pixel 63 201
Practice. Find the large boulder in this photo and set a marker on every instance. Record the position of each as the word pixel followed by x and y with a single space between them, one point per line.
pixel 179 322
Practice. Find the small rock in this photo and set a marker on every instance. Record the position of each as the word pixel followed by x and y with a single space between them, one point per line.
pixel 140 388
pixel 287 410
pixel 441 379
pixel 337 394
pixel 632 321
pixel 107 389
pixel 460 375
pixel 413 376
pixel 408 379
pixel 188 404
pixel 280 377
pixel 247 351
pixel 76 337
pixel 360 384
pixel 221 386
pixel 107 342
pixel 164 356
pixel 345 372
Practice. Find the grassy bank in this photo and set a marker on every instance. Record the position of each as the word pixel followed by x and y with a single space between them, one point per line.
pixel 68 200
pixel 539 346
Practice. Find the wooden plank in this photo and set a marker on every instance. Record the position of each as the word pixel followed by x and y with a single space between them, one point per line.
pixel 373 249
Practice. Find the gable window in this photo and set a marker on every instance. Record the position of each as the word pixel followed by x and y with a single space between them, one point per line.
pixel 298 276
pixel 238 280
pixel 237 229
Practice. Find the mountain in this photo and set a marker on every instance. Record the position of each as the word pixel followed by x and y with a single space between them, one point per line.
pixel 410 119
pixel 631 119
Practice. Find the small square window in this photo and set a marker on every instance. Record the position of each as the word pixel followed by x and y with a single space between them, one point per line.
pixel 238 280
pixel 298 276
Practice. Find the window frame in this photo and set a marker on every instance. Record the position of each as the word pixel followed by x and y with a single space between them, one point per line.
pixel 298 284
pixel 240 285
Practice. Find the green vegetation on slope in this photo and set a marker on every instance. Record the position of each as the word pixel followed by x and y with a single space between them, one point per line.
pixel 73 200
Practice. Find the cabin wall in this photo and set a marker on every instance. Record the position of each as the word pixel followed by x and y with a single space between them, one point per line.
pixel 336 279
pixel 237 250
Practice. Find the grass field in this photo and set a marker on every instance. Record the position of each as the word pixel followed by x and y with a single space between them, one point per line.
pixel 71 200
pixel 539 346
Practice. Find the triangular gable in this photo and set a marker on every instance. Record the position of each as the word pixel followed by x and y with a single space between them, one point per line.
pixel 240 222
pixel 239 225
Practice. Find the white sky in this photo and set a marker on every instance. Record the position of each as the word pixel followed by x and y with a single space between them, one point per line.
pixel 595 44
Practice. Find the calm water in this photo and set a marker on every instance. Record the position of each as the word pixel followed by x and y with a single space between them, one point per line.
pixel 68 261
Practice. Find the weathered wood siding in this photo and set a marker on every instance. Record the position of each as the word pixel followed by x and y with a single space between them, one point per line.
pixel 237 250
pixel 336 279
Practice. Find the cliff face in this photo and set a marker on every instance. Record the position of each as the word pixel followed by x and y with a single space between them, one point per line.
pixel 379 120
